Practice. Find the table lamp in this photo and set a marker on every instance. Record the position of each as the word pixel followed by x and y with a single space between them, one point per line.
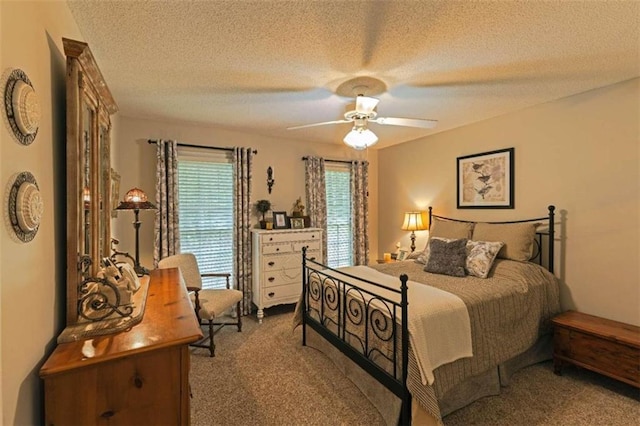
pixel 413 222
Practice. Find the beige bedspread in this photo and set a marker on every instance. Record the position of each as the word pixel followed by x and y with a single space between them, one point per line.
pixel 439 328
pixel 508 312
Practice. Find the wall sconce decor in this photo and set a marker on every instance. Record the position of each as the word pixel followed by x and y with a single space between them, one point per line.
pixel 25 206
pixel 136 200
pixel 22 109
pixel 270 179
pixel 413 222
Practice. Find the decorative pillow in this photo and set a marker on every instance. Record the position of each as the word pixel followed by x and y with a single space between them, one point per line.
pixel 424 255
pixel 450 229
pixel 480 257
pixel 447 257
pixel 517 237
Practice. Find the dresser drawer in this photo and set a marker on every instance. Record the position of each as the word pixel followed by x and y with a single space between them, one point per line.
pixel 291 236
pixel 282 276
pixel 310 244
pixel 276 248
pixel 276 262
pixel 282 292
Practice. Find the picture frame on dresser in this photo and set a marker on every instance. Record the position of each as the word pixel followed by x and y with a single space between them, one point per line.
pixel 296 222
pixel 280 220
pixel 486 180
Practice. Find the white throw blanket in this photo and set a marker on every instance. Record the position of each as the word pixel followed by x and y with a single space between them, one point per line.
pixel 439 327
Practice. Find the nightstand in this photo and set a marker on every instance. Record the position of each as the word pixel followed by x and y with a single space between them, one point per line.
pixel 607 347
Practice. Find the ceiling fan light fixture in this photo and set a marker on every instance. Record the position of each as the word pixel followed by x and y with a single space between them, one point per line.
pixel 365 104
pixel 360 138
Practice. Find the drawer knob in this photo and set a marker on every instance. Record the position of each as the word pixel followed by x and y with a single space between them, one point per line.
pixel 271 279
pixel 107 414
pixel 271 294
pixel 278 249
pixel 137 381
pixel 270 238
pixel 271 263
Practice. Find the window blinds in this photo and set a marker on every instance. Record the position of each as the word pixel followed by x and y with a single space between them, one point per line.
pixel 205 194
pixel 339 235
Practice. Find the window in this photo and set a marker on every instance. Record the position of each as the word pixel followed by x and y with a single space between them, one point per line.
pixel 205 196
pixel 339 235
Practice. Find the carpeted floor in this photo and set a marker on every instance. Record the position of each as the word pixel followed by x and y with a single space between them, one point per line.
pixel 264 376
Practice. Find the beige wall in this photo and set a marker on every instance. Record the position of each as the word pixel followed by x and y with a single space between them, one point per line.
pixel 580 153
pixel 32 275
pixel 135 161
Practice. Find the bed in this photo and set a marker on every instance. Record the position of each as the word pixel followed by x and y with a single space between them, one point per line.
pixel 436 332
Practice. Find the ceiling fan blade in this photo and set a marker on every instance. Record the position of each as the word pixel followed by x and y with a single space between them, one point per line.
pixel 365 104
pixel 409 122
pixel 318 124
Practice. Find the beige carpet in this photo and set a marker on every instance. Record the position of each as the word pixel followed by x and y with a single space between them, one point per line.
pixel 263 376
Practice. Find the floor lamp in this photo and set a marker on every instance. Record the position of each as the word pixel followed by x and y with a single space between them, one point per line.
pixel 136 200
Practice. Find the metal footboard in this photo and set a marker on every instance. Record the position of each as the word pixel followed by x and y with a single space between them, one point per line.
pixel 354 316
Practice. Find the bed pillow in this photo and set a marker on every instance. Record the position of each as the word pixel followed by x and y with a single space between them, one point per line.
pixel 517 238
pixel 424 255
pixel 450 229
pixel 446 230
pixel 480 257
pixel 447 257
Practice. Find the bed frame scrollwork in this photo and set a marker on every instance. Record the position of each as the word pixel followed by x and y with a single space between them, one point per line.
pixel 336 303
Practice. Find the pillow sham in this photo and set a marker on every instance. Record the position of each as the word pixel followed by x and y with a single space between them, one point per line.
pixel 450 229
pixel 447 257
pixel 480 257
pixel 517 238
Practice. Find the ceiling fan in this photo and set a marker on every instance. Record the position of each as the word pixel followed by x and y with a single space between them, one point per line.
pixel 360 137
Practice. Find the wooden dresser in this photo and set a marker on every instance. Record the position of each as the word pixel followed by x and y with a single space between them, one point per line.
pixel 277 264
pixel 138 376
pixel 607 347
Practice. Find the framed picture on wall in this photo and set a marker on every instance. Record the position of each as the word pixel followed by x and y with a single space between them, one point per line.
pixel 486 180
pixel 280 220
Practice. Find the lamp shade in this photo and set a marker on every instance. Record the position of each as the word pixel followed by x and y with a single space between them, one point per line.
pixel 413 222
pixel 360 138
pixel 135 199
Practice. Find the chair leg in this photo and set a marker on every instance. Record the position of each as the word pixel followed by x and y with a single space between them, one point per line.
pixel 212 346
pixel 239 317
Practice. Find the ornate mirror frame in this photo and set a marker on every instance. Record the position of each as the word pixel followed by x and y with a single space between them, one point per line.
pixel 89 107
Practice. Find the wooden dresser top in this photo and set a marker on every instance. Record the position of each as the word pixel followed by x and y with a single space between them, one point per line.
pixel 168 320
pixel 605 328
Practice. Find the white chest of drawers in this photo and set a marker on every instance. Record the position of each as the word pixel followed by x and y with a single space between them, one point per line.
pixel 277 264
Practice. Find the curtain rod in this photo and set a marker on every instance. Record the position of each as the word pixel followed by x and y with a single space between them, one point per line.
pixel 335 161
pixel 186 145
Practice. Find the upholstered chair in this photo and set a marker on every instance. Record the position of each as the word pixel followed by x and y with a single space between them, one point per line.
pixel 210 305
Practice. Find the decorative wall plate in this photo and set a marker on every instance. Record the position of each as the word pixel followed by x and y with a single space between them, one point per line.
pixel 21 107
pixel 25 206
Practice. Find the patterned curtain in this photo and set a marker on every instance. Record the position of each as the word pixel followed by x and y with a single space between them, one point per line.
pixel 316 197
pixel 359 178
pixel 242 159
pixel 167 232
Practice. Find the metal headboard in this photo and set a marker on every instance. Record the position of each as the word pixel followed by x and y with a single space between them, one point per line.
pixel 538 252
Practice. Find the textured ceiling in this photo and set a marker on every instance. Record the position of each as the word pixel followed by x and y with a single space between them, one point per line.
pixel 263 66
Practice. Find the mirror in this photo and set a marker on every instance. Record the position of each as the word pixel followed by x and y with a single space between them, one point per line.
pixel 89 107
